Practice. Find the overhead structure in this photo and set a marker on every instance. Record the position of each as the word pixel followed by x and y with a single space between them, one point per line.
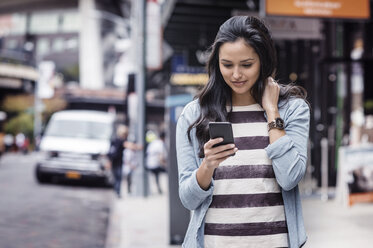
pixel 194 23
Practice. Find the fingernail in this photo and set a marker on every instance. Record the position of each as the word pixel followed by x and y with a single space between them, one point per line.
pixel 221 139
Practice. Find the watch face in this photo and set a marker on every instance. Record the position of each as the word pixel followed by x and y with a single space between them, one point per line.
pixel 280 123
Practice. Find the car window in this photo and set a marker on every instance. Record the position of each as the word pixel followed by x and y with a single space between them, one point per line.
pixel 79 129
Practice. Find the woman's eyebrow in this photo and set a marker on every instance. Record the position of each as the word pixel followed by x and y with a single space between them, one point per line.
pixel 245 60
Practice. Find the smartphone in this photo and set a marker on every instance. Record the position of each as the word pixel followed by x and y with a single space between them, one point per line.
pixel 223 130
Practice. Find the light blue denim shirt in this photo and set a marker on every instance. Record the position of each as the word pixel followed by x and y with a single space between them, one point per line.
pixel 288 155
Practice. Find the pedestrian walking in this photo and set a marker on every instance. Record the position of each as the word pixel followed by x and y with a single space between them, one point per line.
pixel 250 199
pixel 156 154
pixel 8 142
pixel 20 142
pixel 116 156
pixel 129 165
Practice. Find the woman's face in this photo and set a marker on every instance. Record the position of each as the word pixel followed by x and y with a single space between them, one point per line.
pixel 240 67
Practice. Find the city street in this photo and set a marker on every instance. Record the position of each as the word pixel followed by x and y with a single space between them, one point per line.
pixel 49 215
pixel 127 89
pixel 60 215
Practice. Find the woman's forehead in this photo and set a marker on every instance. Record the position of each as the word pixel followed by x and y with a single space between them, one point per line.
pixel 237 50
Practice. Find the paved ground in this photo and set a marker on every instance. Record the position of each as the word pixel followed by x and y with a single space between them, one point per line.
pixel 36 215
pixel 138 222
pixel 143 223
pixel 329 224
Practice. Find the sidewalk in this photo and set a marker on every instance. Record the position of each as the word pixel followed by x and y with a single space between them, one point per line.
pixel 138 222
pixel 330 224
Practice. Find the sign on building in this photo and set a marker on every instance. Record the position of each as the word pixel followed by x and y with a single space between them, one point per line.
pixel 356 9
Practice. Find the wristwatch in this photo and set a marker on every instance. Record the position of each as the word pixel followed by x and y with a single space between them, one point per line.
pixel 278 123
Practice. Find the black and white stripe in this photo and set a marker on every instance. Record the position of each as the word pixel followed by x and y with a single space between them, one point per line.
pixel 246 229
pixel 244 171
pixel 247 209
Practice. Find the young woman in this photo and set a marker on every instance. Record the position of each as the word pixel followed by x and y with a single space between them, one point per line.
pixel 250 199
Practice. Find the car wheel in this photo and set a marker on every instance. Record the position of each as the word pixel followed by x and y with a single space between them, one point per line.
pixel 40 176
pixel 108 183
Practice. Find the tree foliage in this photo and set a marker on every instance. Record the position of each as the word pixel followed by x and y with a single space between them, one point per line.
pixel 17 103
pixel 21 109
pixel 22 123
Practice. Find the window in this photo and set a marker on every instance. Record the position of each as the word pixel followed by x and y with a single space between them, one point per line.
pixel 79 129
pixel 42 46
pixel 58 45
pixel 70 22
pixel 44 22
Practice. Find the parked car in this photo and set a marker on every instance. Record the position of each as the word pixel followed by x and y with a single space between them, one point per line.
pixel 74 146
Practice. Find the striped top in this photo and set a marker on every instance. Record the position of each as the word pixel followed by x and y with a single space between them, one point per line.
pixel 247 208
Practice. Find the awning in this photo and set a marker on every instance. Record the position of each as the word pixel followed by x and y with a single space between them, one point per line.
pixel 18 71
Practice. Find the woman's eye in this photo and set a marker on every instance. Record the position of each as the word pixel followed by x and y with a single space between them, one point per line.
pixel 227 65
pixel 247 65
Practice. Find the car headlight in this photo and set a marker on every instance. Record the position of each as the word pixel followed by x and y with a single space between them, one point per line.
pixel 52 154
pixel 48 154
pixel 95 156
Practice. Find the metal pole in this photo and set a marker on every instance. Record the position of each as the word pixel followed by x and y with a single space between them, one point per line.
pixel 262 8
pixel 38 104
pixel 140 90
pixel 341 91
pixel 308 177
pixel 37 112
pixel 324 169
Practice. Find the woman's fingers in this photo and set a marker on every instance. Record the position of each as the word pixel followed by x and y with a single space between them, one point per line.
pixel 224 154
pixel 270 94
pixel 272 85
pixel 215 155
pixel 209 149
pixel 214 160
pixel 209 144
pixel 222 148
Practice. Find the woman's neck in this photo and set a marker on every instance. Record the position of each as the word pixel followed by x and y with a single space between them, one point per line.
pixel 242 100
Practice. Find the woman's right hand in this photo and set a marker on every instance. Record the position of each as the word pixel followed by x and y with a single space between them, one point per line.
pixel 215 155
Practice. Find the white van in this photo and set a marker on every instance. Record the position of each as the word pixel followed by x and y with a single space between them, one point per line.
pixel 75 145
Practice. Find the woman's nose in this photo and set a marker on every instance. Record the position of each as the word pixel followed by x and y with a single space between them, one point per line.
pixel 236 73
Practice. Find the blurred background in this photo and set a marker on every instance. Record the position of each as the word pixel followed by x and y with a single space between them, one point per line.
pixel 72 71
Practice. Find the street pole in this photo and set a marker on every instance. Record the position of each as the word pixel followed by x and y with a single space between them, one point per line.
pixel 138 30
pixel 262 8
pixel 37 113
pixel 324 169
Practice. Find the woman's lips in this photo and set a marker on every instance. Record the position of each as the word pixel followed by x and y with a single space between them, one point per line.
pixel 238 83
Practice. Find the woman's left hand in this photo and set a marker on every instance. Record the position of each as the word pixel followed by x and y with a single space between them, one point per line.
pixel 270 95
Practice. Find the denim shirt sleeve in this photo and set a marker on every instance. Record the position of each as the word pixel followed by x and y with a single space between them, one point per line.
pixel 191 194
pixel 289 153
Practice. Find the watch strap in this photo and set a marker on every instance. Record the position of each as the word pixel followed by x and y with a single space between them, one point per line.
pixel 278 123
pixel 271 125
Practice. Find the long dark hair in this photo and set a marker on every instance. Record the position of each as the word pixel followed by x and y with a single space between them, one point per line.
pixel 216 94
